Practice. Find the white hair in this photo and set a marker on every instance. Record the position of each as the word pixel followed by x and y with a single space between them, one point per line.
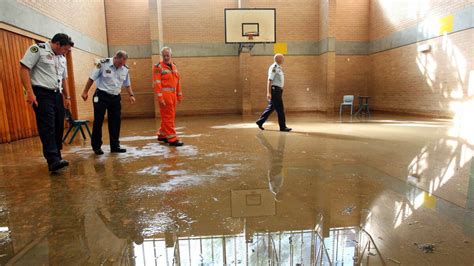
pixel 166 48
pixel 276 56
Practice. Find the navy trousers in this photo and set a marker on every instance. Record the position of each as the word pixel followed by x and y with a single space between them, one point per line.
pixel 275 104
pixel 50 122
pixel 112 105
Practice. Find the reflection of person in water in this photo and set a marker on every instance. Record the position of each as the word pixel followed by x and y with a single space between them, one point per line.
pixel 120 213
pixel 275 163
pixel 67 242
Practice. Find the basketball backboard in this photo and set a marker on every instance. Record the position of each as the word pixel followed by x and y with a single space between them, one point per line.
pixel 250 25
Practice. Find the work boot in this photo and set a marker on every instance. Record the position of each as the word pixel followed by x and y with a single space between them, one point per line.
pixel 118 150
pixel 165 140
pixel 55 166
pixel 176 143
pixel 99 151
pixel 260 126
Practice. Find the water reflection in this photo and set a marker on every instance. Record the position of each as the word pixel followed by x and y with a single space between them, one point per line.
pixel 236 198
pixel 274 162
pixel 344 246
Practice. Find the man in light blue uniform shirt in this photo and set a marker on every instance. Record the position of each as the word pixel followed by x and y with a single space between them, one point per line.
pixel 276 81
pixel 43 72
pixel 110 75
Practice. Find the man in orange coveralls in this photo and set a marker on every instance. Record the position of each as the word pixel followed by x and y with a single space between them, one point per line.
pixel 168 91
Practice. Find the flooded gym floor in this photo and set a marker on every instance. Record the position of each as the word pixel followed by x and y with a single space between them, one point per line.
pixel 382 191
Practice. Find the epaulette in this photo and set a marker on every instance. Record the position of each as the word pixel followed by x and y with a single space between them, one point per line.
pixel 41 45
pixel 105 60
pixel 274 68
pixel 125 66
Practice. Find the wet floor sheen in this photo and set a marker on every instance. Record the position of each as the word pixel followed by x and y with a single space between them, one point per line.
pixel 385 191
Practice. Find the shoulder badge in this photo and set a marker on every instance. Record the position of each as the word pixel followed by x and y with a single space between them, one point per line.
pixel 274 68
pixel 98 65
pixel 34 49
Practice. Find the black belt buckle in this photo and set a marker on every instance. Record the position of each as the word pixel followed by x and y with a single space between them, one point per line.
pixel 46 89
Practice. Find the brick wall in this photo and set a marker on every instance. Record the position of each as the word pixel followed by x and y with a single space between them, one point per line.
pixel 297 20
pixel 88 19
pixel 352 71
pixel 210 85
pixel 395 78
pixel 434 83
pixel 83 66
pixel 387 17
pixel 218 86
pixel 190 21
pixel 127 22
pixel 352 75
pixel 140 76
pixel 404 80
pixel 352 22
pixel 128 27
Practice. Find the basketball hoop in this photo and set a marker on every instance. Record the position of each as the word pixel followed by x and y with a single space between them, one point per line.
pixel 250 35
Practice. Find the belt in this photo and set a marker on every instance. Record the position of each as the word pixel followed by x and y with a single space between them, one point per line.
pixel 102 90
pixel 168 89
pixel 46 89
pixel 276 87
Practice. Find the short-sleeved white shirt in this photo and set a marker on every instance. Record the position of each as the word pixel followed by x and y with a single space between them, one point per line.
pixel 275 74
pixel 108 78
pixel 46 68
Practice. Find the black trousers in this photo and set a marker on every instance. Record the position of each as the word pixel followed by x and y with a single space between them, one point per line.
pixel 111 104
pixel 50 122
pixel 275 104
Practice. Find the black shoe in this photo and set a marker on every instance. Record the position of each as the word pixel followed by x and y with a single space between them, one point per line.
pixel 99 151
pixel 118 150
pixel 55 166
pixel 64 162
pixel 260 126
pixel 286 129
pixel 165 140
pixel 176 143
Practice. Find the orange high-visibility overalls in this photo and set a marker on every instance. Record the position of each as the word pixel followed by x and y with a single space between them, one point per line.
pixel 168 89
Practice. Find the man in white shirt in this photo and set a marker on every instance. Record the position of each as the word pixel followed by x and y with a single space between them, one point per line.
pixel 276 81
pixel 43 73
